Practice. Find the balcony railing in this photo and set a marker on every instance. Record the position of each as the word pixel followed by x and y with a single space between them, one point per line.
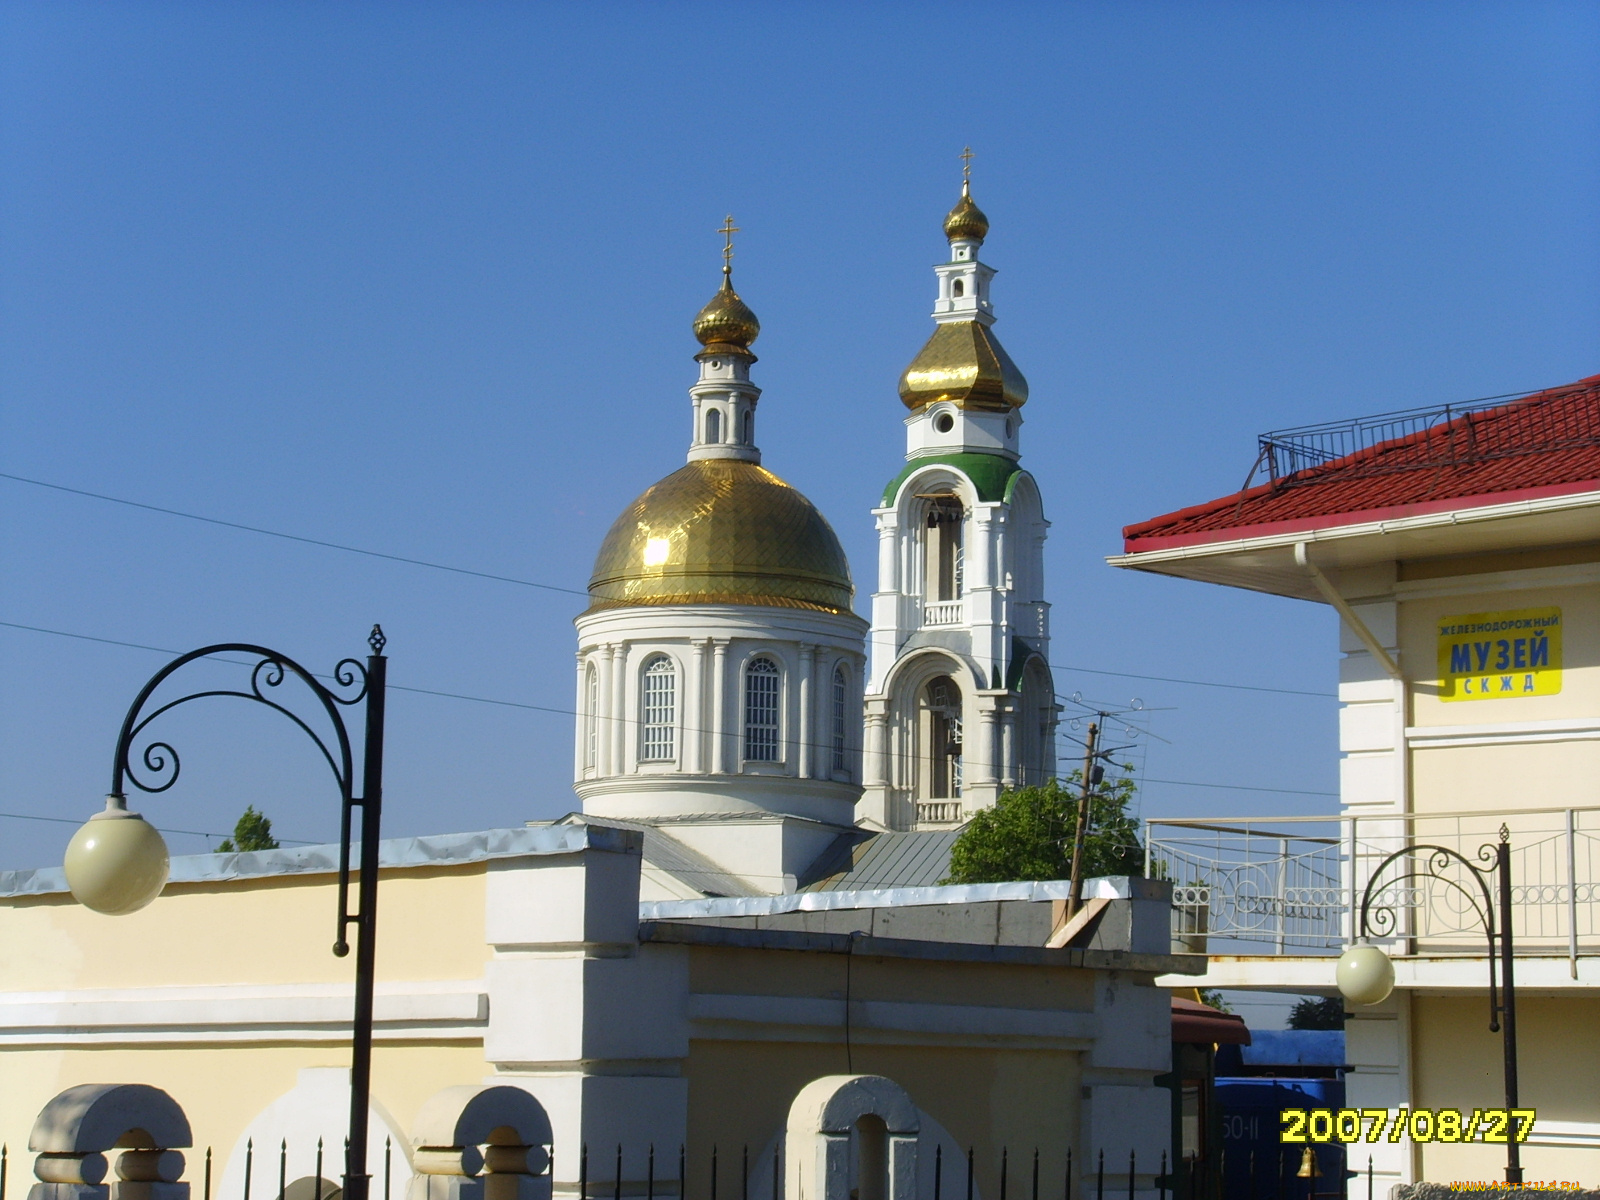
pixel 942 612
pixel 1422 438
pixel 938 812
pixel 1253 885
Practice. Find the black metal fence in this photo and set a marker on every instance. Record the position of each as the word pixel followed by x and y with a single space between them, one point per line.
pixel 1262 1177
pixel 1445 435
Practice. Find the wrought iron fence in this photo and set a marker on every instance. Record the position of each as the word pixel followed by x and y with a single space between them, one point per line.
pixel 1444 435
pixel 1190 1179
pixel 1293 883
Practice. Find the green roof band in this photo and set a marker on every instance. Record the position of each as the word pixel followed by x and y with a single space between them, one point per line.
pixel 992 476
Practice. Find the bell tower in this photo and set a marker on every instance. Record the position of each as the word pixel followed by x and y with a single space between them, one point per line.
pixel 960 702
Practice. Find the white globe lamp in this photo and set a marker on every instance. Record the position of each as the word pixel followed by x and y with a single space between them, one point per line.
pixel 117 862
pixel 1365 974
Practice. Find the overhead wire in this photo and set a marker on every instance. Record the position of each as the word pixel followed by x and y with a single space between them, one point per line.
pixel 570 712
pixel 550 587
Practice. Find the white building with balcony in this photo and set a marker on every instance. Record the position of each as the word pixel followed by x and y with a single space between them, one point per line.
pixel 1461 549
pixel 960 704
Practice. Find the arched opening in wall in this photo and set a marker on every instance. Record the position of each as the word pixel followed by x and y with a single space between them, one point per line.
pixel 869 1159
pixel 749 428
pixel 310 1187
pixel 591 717
pixel 841 708
pixel 940 729
pixel 658 704
pixel 958 288
pixel 942 548
pixel 762 687
pixel 1036 719
pixel 714 425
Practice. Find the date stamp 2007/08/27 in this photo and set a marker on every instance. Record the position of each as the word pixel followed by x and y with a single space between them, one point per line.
pixel 1498 1125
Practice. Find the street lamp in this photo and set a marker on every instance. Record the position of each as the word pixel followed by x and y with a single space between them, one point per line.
pixel 1365 973
pixel 117 862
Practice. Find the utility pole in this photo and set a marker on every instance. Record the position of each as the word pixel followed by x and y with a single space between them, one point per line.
pixel 1076 900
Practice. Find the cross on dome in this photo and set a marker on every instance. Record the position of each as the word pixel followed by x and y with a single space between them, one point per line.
pixel 728 230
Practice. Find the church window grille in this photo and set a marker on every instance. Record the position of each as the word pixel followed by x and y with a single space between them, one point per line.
pixel 714 425
pixel 761 689
pixel 840 698
pixel 660 709
pixel 591 706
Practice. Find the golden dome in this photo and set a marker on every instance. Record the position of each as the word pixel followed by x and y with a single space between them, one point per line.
pixel 966 219
pixel 722 531
pixel 964 363
pixel 726 325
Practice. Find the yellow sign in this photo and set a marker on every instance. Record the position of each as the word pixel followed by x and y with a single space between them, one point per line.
pixel 1500 655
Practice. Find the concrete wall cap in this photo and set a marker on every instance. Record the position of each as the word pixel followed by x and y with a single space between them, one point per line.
pixel 1111 887
pixel 470 1114
pixel 445 849
pixel 834 1103
pixel 92 1117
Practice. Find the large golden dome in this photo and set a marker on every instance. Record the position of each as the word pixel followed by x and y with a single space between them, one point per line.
pixel 722 531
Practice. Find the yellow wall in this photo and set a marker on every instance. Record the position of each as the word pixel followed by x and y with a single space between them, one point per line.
pixel 987 1098
pixel 222 1088
pixel 278 929
pixel 275 930
pixel 1458 1063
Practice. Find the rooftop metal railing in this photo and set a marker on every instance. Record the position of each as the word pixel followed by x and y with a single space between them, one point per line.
pixel 1291 885
pixel 1446 435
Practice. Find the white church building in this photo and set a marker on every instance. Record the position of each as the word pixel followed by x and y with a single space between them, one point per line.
pixel 735 965
pixel 723 675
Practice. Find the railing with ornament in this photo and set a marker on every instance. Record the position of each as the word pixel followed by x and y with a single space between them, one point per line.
pixel 942 612
pixel 1292 883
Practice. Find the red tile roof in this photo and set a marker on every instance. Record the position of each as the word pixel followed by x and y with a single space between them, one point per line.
pixel 1542 445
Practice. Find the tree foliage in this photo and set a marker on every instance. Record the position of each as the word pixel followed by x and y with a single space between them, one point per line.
pixel 1317 1012
pixel 1028 835
pixel 252 831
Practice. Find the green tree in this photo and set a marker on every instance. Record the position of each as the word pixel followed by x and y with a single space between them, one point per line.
pixel 1213 998
pixel 1317 1012
pixel 252 831
pixel 1028 834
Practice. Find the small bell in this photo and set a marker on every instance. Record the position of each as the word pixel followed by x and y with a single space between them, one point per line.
pixel 1308 1165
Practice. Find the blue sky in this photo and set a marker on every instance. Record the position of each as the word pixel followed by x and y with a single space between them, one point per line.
pixel 418 278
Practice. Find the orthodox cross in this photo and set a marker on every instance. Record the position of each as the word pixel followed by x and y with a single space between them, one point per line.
pixel 728 230
pixel 966 157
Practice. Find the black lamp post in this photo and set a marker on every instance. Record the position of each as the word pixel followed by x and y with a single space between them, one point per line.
pixel 1366 976
pixel 117 863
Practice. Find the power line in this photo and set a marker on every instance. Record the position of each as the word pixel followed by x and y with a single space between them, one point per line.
pixel 551 587
pixel 163 828
pixel 569 712
pixel 1237 687
pixel 293 537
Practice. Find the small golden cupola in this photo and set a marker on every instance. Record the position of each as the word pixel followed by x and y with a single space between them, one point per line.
pixel 963 363
pixel 966 221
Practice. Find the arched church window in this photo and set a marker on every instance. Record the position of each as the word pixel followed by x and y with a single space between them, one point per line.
pixel 941 732
pixel 958 288
pixel 714 425
pixel 943 549
pixel 761 688
pixel 840 706
pixel 591 709
pixel 659 702
pixel 749 428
